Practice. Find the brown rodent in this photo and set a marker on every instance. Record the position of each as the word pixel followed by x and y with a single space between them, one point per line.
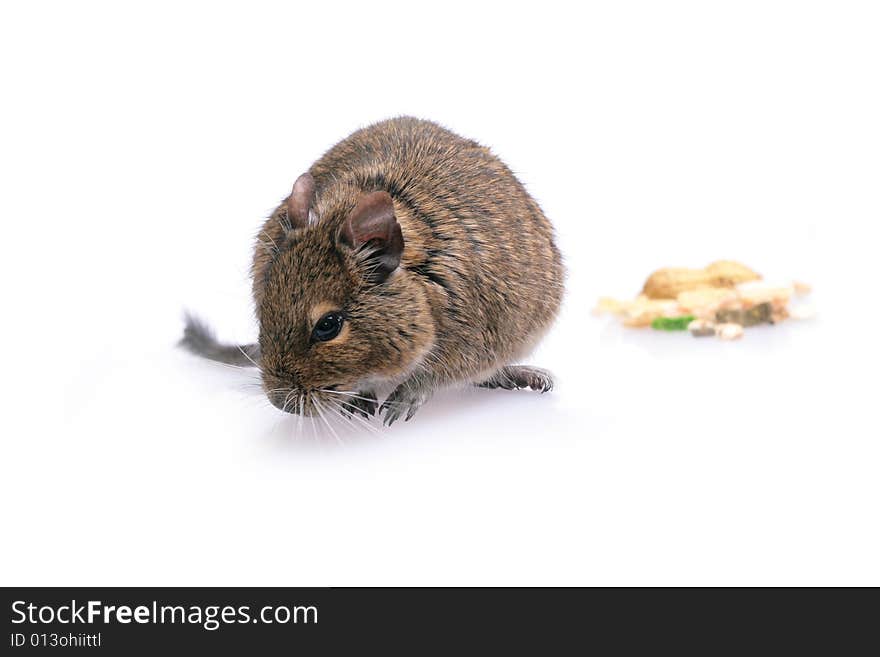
pixel 407 256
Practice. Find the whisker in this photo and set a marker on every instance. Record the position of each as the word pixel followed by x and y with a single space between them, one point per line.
pixel 320 408
pixel 352 395
pixel 354 420
pixel 308 401
pixel 246 355
pixel 346 393
pixel 287 400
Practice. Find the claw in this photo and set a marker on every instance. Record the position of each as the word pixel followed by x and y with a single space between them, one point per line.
pixel 391 415
pixel 363 407
pixel 519 377
pixel 403 401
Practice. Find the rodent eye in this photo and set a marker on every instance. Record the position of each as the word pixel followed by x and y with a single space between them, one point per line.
pixel 328 327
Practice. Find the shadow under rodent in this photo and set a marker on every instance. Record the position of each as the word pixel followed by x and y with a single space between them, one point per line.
pixel 406 257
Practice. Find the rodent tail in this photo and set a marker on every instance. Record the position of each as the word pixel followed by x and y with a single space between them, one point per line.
pixel 199 339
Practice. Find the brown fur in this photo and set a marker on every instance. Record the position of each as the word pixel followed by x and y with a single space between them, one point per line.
pixel 479 281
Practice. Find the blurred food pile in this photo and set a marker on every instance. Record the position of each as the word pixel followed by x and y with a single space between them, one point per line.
pixel 720 300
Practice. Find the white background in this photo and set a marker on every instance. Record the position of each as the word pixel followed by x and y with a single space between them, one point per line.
pixel 142 147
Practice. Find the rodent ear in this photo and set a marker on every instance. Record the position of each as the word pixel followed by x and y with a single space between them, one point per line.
pixel 299 203
pixel 372 222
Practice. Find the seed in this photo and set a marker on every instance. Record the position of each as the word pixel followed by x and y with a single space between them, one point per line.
pixel 729 331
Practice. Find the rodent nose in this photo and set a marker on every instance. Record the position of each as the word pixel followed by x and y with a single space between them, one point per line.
pixel 285 400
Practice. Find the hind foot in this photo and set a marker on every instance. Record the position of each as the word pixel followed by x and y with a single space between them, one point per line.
pixel 514 377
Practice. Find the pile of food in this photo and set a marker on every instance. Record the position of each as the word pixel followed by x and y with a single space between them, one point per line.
pixel 720 300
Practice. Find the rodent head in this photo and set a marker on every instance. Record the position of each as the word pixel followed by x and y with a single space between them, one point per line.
pixel 336 312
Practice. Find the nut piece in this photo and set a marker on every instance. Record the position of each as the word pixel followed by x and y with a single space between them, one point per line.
pixel 729 331
pixel 669 283
pixel 703 303
pixel 701 328
pixel 639 312
pixel 727 273
pixel 755 292
pixel 760 314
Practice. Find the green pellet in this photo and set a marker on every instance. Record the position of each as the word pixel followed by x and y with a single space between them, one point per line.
pixel 672 323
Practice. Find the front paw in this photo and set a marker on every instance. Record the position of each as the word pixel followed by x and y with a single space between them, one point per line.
pixel 403 402
pixel 364 404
